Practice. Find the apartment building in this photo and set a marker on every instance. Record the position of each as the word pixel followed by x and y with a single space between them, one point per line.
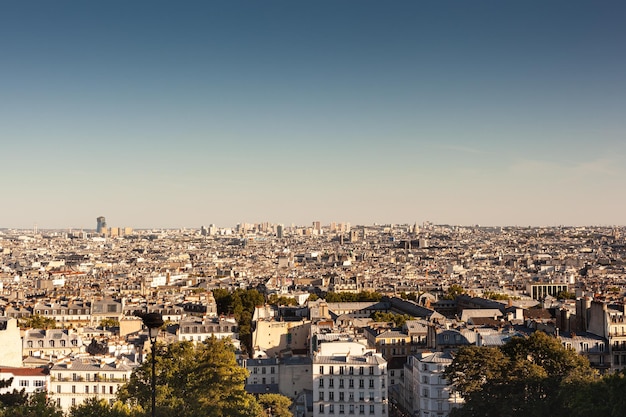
pixel 346 384
pixel 30 380
pixel 435 398
pixel 72 381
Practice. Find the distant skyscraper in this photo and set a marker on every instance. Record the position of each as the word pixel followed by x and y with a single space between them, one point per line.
pixel 279 231
pixel 101 224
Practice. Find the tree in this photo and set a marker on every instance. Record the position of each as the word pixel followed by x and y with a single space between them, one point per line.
pixel 104 323
pixel 94 407
pixel 528 376
pixel 275 405
pixel 453 291
pixel 37 321
pixel 15 397
pixel 277 300
pixel 338 297
pixel 398 319
pixel 600 398
pixel 35 405
pixel 193 380
pixel 241 304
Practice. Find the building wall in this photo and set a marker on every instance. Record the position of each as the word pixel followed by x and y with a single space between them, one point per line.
pixel 274 336
pixel 72 382
pixel 10 343
pixel 352 385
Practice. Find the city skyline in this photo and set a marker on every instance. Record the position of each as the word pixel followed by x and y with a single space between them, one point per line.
pixel 162 115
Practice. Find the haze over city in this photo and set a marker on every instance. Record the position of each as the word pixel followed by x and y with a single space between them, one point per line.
pixel 164 114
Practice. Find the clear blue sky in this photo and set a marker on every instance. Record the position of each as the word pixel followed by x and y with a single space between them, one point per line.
pixel 181 114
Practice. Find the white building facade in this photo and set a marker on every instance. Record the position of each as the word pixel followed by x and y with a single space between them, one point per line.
pixel 435 397
pixel 73 381
pixel 346 384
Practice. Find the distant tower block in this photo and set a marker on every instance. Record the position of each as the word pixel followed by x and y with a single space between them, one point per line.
pixel 101 224
pixel 279 231
pixel 416 230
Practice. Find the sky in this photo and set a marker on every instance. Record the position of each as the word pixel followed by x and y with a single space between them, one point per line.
pixel 162 114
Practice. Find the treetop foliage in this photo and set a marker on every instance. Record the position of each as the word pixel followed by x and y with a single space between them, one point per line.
pixel 530 376
pixel 398 320
pixel 342 297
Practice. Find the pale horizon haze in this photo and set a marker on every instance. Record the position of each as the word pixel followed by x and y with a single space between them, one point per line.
pixel 160 114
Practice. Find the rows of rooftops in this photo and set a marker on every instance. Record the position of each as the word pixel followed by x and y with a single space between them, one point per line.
pixel 172 265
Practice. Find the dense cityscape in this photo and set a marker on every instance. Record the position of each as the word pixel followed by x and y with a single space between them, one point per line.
pixel 336 318
pixel 322 208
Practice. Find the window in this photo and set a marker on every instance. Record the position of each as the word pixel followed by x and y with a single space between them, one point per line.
pixel 272 370
pixel 361 383
pixel 361 409
pixel 351 396
pixel 40 383
pixel 351 383
pixel 321 383
pixel 351 370
pixel 321 370
pixel 361 396
pixel 341 370
pixel 255 370
pixel 332 370
pixel 331 383
pixel 58 389
pixel 86 389
pixel 73 402
pixel 351 409
pixel 30 343
pixel 341 409
pixel 371 408
pixel 331 396
pixel 321 408
pixel 23 383
pixel 321 396
pixel 360 370
pixel 73 389
pixel 341 396
pixel 341 383
pixel 371 383
pixel 371 370
pixel 371 396
pixel 331 408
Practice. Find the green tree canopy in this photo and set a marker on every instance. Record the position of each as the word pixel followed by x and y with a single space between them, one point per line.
pixel 34 405
pixel 193 380
pixel 241 304
pixel 453 291
pixel 95 407
pixel 338 297
pixel 37 321
pixel 528 376
pixel 275 405
pixel 398 319
pixel 277 300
